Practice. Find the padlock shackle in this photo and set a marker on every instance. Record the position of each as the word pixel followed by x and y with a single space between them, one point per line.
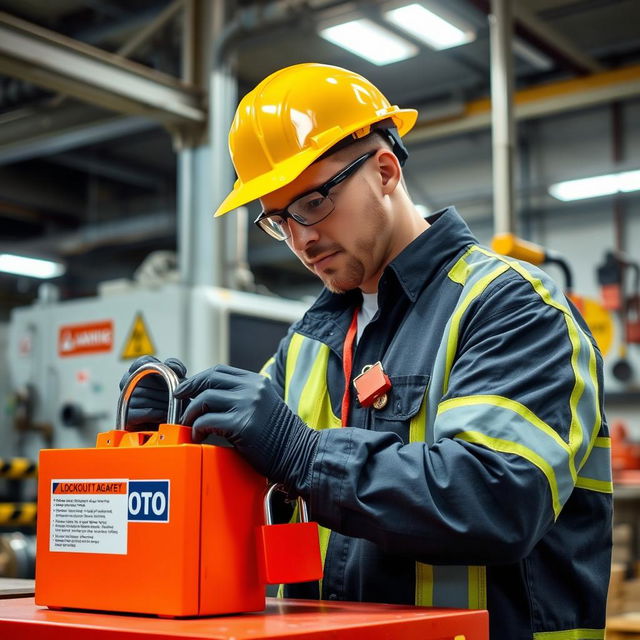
pixel 149 368
pixel 268 516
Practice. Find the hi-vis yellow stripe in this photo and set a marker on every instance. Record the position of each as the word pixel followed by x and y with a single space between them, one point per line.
pixel 595 465
pixel 526 432
pixel 576 429
pixel 477 587
pixel 314 407
pixel 507 403
pixel 452 340
pixel 418 424
pixel 506 446
pixel 313 400
pixel 570 634
pixel 265 371
pixel 424 585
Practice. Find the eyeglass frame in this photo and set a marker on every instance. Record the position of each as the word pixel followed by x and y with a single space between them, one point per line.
pixel 323 190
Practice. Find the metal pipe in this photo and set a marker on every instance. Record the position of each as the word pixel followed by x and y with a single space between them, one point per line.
pixel 536 102
pixel 188 67
pixel 56 62
pixel 503 129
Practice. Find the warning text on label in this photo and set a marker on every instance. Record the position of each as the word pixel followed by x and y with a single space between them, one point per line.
pixel 89 516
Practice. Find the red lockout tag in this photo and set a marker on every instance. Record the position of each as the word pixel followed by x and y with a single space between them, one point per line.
pixel 371 384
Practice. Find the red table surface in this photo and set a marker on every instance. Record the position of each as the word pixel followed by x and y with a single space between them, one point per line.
pixel 21 619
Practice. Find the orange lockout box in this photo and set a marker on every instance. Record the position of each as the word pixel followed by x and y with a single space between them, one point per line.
pixel 149 523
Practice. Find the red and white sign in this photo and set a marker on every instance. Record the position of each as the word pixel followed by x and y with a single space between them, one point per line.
pixel 85 339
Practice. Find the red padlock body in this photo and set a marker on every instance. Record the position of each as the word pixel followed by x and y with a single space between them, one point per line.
pixel 371 385
pixel 289 553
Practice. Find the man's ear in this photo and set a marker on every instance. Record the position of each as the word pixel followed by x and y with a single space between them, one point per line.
pixel 389 170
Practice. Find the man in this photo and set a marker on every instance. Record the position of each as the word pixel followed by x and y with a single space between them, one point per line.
pixel 481 477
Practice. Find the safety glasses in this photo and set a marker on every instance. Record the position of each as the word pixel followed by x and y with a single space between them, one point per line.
pixel 309 208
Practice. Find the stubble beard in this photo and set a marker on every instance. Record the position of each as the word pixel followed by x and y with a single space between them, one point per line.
pixel 353 274
pixel 351 279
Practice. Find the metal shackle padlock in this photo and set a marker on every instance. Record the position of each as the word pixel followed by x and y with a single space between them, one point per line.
pixel 149 368
pixel 289 552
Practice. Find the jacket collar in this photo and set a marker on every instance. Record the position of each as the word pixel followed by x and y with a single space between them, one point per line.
pixel 420 261
pixel 409 273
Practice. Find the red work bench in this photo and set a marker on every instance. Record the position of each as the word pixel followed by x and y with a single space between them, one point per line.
pixel 21 619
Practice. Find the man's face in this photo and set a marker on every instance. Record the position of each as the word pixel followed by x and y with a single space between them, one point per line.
pixel 348 249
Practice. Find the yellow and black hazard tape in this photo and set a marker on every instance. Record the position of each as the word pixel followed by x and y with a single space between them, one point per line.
pixel 16 468
pixel 17 514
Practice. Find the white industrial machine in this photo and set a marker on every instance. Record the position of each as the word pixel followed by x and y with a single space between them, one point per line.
pixel 66 358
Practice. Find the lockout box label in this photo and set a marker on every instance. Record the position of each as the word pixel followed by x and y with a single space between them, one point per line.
pixel 89 516
pixel 148 501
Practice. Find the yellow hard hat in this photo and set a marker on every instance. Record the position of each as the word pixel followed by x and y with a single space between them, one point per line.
pixel 292 117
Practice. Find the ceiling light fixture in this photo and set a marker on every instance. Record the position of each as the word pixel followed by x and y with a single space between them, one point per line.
pixel 370 41
pixel 31 267
pixel 435 27
pixel 596 186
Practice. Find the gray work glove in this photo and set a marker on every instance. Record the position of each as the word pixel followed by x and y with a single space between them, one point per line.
pixel 149 402
pixel 244 408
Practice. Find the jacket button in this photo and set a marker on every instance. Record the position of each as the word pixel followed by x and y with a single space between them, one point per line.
pixel 381 401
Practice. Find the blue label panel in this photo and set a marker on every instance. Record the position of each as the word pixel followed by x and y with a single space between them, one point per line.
pixel 148 501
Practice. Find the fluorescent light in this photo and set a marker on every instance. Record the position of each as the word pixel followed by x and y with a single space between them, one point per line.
pixel 596 186
pixel 629 181
pixel 428 26
pixel 32 267
pixel 369 40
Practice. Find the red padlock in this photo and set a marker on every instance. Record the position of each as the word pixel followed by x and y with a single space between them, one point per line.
pixel 288 552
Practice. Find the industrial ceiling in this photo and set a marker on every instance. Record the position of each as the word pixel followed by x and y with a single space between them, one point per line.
pixel 88 157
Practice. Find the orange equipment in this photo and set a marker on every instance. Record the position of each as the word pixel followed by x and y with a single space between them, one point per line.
pixel 286 619
pixel 148 522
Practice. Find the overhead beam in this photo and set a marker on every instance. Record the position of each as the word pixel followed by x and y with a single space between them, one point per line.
pixel 544 37
pixel 542 32
pixel 62 64
pixel 536 102
pixel 159 225
pixel 37 132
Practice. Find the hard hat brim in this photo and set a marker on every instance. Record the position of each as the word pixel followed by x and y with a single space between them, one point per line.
pixel 290 169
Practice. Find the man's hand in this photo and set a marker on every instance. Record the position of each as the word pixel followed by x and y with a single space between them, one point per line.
pixel 149 402
pixel 244 407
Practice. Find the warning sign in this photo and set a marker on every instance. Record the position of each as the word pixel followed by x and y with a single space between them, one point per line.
pixel 84 339
pixel 89 516
pixel 138 341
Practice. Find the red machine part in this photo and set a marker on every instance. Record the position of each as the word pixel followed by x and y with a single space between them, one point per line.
pixel 625 454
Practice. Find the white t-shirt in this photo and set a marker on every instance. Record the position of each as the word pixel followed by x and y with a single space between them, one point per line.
pixel 367 311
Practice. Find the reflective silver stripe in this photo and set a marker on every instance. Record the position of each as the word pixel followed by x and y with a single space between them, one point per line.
pixel 305 352
pixel 584 403
pixel 469 270
pixel 596 471
pixel 501 420
pixel 451 586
